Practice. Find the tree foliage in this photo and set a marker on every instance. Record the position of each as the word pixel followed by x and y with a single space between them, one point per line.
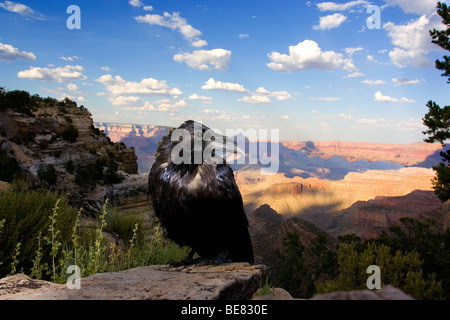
pixel 438 119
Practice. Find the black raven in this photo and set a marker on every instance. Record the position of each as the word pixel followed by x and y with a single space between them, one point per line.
pixel 198 202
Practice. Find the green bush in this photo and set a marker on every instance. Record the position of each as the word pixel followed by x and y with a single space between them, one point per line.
pixel 9 167
pixel 26 216
pixel 70 133
pixel 47 173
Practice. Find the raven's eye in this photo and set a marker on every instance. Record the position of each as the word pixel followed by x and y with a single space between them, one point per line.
pixel 213 138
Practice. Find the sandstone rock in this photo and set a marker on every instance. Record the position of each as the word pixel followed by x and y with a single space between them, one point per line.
pixel 386 293
pixel 225 282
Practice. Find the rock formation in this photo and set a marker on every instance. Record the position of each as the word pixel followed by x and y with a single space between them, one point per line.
pixel 407 155
pixel 37 140
pixel 236 281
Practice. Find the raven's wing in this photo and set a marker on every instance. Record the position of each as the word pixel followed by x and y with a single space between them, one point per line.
pixel 240 241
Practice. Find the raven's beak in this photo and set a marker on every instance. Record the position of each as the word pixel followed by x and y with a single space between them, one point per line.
pixel 226 144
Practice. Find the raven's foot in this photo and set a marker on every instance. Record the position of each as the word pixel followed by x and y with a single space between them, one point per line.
pixel 220 259
pixel 185 262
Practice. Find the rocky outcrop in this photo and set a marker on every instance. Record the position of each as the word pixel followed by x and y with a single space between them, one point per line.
pixel 267 230
pixel 368 219
pixel 311 197
pixel 144 139
pixel 38 140
pixel 236 281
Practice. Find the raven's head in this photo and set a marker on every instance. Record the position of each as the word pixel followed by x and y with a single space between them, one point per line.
pixel 193 143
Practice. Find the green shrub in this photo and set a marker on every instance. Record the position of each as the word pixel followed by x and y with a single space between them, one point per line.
pixel 9 167
pixel 47 173
pixel 70 133
pixel 26 215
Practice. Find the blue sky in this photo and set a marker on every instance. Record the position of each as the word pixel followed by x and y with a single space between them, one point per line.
pixel 312 69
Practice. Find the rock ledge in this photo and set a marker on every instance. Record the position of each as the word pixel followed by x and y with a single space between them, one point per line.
pixel 233 281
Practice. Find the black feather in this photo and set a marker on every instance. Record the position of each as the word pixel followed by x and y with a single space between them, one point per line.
pixel 203 212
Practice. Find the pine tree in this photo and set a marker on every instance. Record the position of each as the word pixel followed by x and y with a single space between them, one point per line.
pixel 438 119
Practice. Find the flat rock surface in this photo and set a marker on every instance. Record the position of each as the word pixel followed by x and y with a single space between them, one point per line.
pixel 227 282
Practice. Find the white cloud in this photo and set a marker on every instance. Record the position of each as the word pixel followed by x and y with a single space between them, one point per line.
pixel 175 22
pixel 285 117
pixel 132 103
pixel 405 82
pixel 212 84
pixel 60 74
pixel 71 59
pixel 136 3
pixel 146 87
pixel 243 35
pixel 107 69
pixel 199 43
pixel 205 59
pixel 308 55
pixel 381 98
pixel 148 8
pixel 412 41
pixel 197 97
pixel 354 75
pixel 279 95
pixel 419 7
pixel 10 53
pixel 21 9
pixel 73 87
pixel 330 22
pixel 262 95
pixel 332 6
pixel 256 99
pixel 352 51
pixel 328 99
pixel 373 82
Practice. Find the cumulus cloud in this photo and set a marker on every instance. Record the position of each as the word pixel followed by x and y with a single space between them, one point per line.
pixel 308 55
pixel 212 84
pixel 205 59
pixel 382 98
pixel 10 53
pixel 73 87
pixel 147 87
pixel 279 95
pixel 412 41
pixel 333 6
pixel 330 22
pixel 136 3
pixel 354 75
pixel 197 97
pixel 419 7
pixel 373 82
pixel 256 99
pixel 174 21
pixel 60 74
pixel 21 9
